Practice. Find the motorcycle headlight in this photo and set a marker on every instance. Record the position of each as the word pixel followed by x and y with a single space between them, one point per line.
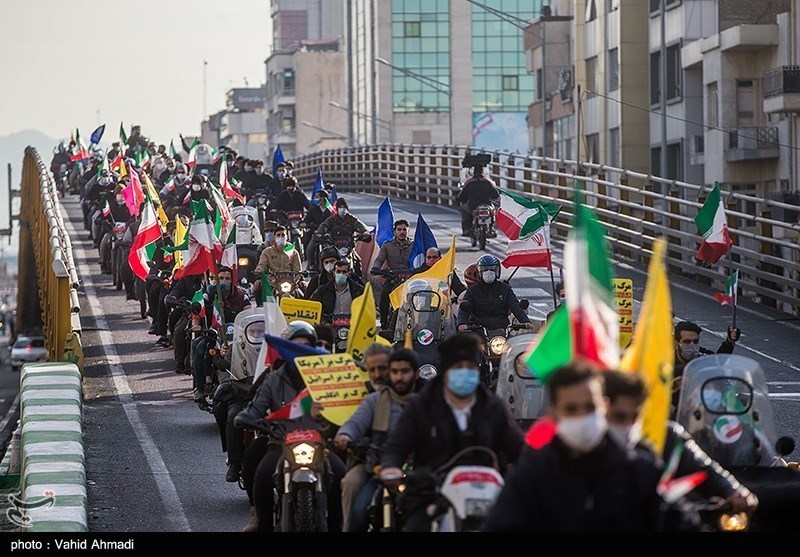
pixel 303 454
pixel 342 334
pixel 243 262
pixel 343 252
pixel 497 345
pixel 286 287
pixel 733 522
pixel 428 371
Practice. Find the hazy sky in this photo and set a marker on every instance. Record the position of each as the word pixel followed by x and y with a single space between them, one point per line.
pixel 137 61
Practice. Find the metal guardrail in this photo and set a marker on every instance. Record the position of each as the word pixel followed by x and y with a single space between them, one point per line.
pixel 45 244
pixel 635 208
pixel 781 80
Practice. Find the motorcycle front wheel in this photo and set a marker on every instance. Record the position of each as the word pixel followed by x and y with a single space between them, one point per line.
pixel 304 510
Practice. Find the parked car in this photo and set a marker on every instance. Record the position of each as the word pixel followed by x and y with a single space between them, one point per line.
pixel 26 350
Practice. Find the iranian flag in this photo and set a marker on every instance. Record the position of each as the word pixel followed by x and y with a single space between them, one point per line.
pixel 225 184
pixel 172 151
pixel 122 137
pixel 274 324
pixel 594 323
pixel 143 159
pixel 552 347
pixel 711 222
pixel 117 162
pixel 297 408
pixel 515 211
pixel 104 165
pixel 193 154
pixel 731 287
pixel 230 256
pixel 203 246
pixel 223 221
pixel 144 246
pixel 532 247
pixel 133 193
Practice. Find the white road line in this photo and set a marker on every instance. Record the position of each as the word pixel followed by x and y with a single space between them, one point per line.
pixel 174 514
pixel 781 383
pixel 784 395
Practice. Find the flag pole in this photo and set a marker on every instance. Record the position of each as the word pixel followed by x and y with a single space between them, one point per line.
pixel 223 329
pixel 550 266
pixel 734 287
pixel 512 275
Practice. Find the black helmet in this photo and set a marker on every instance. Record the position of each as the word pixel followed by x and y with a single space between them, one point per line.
pixel 488 262
pixel 297 329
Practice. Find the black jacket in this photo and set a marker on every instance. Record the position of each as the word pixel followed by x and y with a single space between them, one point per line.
pixel 316 282
pixel 291 201
pixel 316 215
pixel 428 430
pixel 478 191
pixel 491 303
pixel 609 489
pixel 327 295
pixel 119 213
pixel 186 287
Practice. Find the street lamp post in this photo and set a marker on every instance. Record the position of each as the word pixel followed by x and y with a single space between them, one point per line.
pixel 430 82
pixel 331 134
pixel 386 124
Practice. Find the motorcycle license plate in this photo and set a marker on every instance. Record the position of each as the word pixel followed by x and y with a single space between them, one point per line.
pixel 341 322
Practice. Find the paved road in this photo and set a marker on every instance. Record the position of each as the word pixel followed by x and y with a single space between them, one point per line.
pixel 154 461
pixel 9 391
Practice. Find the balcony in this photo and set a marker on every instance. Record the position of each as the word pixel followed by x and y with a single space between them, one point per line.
pixel 752 143
pixel 782 89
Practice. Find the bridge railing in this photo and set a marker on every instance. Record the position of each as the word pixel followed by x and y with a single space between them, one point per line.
pixel 636 208
pixel 48 278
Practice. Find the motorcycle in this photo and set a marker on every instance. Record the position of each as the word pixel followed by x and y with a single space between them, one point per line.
pixel 296 228
pixel 261 201
pixel 287 284
pixel 493 343
pixel 344 244
pixel 520 391
pixel 724 405
pixel 62 179
pixel 117 248
pixel 483 217
pixel 341 328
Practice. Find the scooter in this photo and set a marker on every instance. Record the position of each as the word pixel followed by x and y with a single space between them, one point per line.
pixel 482 225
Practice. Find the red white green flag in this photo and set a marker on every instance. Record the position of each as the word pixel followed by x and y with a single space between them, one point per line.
pixel 515 211
pixel 552 347
pixel 193 154
pixel 172 151
pixel 225 184
pixel 729 298
pixel 274 324
pixel 144 246
pixel 201 242
pixel 714 228
pixel 230 256
pixel 532 247
pixel 297 408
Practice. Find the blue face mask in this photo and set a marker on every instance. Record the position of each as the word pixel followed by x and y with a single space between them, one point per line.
pixel 341 279
pixel 462 382
pixel 270 236
pixel 223 287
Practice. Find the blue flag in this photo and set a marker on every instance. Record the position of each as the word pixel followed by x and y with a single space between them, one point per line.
pixel 289 350
pixel 97 135
pixel 385 229
pixel 277 158
pixel 318 185
pixel 332 195
pixel 423 240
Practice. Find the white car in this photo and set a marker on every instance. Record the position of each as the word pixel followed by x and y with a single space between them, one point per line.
pixel 26 350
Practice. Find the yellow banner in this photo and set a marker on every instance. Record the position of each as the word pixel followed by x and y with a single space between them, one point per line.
pixel 180 236
pixel 623 295
pixel 440 272
pixel 334 381
pixel 304 310
pixel 363 326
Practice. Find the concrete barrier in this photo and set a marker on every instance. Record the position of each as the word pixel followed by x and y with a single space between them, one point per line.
pixel 52 473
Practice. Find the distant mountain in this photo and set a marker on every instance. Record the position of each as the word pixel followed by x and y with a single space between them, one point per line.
pixel 12 149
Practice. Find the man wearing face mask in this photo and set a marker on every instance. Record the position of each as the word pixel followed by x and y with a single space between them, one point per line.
pixel 318 213
pixel 453 411
pixel 275 259
pixel 581 481
pixel 337 295
pixel 279 181
pixel 687 348
pixel 174 193
pixel 261 180
pixel 329 258
pixel 626 395
pixel 345 223
pixel 113 209
pixel 492 300
pixel 290 200
pixel 169 170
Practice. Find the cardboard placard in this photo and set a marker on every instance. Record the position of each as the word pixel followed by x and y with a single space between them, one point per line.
pixel 623 295
pixel 334 381
pixel 309 311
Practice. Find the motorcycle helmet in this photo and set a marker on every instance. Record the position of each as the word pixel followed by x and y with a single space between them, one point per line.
pixel 97 155
pixel 471 275
pixel 297 329
pixel 488 263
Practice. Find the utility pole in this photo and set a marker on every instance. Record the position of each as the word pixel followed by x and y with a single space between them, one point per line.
pixel 205 89
pixel 663 87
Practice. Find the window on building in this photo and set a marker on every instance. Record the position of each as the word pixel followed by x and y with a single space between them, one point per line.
pixel 655 80
pixel 411 29
pixel 614 158
pixel 591 76
pixel 591 11
pixel 613 69
pixel 593 148
pixel 674 72
pixel 287 120
pixel 564 137
pixel 745 98
pixel 538 84
pixel 288 81
pixel 712 98
pixel 655 5
pixel 675 161
pixel 655 161
pixel 510 83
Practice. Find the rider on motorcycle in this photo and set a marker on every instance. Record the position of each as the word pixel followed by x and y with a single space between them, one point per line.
pixel 492 300
pixel 375 417
pixel 276 390
pixel 337 295
pixel 118 212
pixel 454 411
pixel 329 258
pixel 317 214
pixel 291 200
pixel 274 259
pixel 478 190
pixel 393 255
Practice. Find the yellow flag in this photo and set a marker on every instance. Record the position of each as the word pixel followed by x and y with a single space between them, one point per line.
pixel 180 237
pixel 441 271
pixel 651 353
pixel 123 171
pixel 153 194
pixel 363 324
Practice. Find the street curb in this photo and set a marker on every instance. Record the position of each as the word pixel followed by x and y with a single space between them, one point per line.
pixel 53 472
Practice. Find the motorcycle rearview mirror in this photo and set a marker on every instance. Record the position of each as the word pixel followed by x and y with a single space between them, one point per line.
pixel 784 445
pixel 524 304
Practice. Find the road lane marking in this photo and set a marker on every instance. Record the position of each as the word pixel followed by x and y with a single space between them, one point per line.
pixel 174 514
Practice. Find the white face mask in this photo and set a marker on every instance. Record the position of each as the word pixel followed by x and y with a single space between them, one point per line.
pixel 489 277
pixel 689 351
pixel 583 433
pixel 329 267
pixel 120 199
pixel 195 187
pixel 280 240
pixel 342 212
pixel 626 435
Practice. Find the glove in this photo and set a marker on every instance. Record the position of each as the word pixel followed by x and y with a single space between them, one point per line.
pixel 733 334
